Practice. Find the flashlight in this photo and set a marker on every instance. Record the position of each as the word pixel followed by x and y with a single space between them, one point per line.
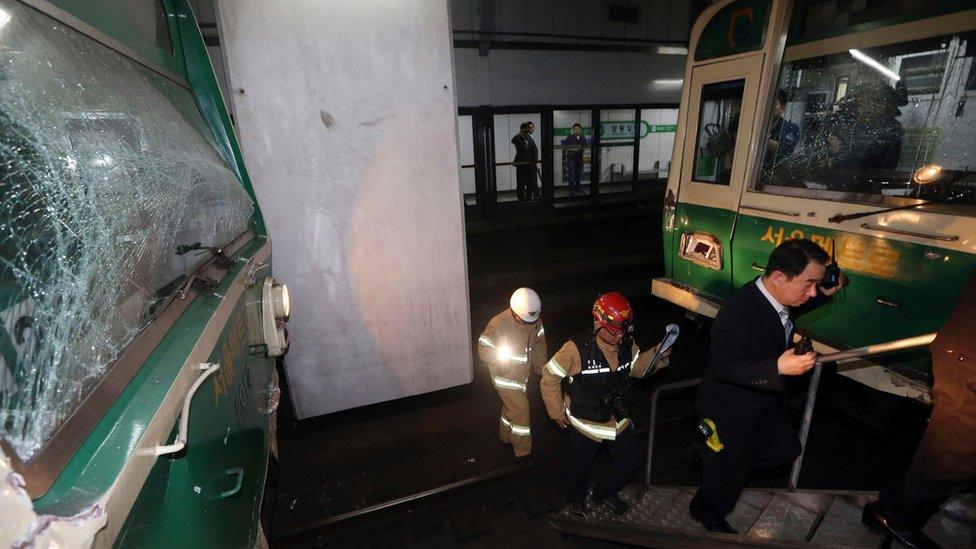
pixel 503 353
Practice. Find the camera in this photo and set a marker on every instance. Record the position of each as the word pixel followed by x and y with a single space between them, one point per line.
pixel 615 401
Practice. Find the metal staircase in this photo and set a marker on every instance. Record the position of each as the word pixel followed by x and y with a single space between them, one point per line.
pixel 659 517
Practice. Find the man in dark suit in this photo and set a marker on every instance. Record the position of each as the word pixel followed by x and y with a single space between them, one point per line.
pixel 526 155
pixel 742 388
pixel 945 462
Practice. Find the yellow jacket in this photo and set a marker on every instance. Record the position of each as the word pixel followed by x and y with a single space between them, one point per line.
pixel 510 347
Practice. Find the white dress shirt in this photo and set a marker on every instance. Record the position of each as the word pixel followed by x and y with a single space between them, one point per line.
pixel 782 310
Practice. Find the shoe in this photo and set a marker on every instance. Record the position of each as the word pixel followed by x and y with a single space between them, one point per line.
pixel 617 505
pixel 578 509
pixel 721 526
pixel 877 522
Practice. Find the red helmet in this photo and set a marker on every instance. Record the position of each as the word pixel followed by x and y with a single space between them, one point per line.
pixel 612 311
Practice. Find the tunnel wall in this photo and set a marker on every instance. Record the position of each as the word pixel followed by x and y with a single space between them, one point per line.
pixel 346 112
pixel 516 77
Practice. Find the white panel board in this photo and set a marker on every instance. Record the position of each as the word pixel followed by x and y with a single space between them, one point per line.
pixel 348 123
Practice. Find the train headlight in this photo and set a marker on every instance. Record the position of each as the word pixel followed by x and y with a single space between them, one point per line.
pixel 275 308
pixel 282 303
pixel 927 174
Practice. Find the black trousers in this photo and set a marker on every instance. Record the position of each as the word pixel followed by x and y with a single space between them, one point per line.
pixel 768 442
pixel 525 187
pixel 583 451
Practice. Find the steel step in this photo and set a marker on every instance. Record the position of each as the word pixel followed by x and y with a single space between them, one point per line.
pixel 659 517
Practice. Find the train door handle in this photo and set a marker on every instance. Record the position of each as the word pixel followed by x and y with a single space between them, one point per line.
pixel 180 442
pixel 887 302
pixel 238 483
pixel 758 267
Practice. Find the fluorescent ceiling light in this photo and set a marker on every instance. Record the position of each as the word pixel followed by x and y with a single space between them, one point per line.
pixel 668 83
pixel 672 50
pixel 869 61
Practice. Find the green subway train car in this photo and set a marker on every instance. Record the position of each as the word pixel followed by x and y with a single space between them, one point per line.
pixel 851 124
pixel 141 324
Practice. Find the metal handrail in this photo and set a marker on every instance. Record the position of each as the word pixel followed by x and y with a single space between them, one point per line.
pixel 650 428
pixel 869 350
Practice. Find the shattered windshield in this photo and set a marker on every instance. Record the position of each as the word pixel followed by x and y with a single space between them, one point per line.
pixel 897 120
pixel 105 168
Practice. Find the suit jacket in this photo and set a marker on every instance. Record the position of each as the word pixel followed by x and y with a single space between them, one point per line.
pixel 525 149
pixel 742 381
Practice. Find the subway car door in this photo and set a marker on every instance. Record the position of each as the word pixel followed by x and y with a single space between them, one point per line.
pixel 721 107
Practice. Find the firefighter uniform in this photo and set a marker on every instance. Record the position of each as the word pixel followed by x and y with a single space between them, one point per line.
pixel 594 368
pixel 511 347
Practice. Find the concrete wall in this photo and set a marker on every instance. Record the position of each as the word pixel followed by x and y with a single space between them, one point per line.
pixel 552 77
pixel 533 76
pixel 521 77
pixel 348 125
pixel 657 20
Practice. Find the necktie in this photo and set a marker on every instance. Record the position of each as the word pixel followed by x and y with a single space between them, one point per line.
pixel 787 324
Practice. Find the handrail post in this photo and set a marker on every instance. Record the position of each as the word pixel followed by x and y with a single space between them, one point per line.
pixel 805 425
pixel 650 427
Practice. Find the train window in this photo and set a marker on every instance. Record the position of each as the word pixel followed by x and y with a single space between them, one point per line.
pixel 886 124
pixel 106 167
pixel 718 124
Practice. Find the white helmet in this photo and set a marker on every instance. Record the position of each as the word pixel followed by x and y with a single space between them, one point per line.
pixel 525 303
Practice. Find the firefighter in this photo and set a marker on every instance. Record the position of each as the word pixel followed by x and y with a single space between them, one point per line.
pixel 513 342
pixel 598 365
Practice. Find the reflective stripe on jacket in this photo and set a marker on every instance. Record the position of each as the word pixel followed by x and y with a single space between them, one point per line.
pixel 567 363
pixel 510 347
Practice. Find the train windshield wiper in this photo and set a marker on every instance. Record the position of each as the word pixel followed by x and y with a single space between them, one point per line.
pixel 844 217
pixel 946 199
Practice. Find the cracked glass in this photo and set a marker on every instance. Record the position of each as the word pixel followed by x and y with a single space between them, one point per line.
pixel 106 167
pixel 885 122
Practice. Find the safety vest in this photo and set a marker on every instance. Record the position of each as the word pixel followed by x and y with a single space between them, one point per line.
pixel 595 380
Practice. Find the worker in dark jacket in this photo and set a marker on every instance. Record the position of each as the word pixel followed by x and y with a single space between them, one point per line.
pixel 526 155
pixel 741 395
pixel 598 365
pixel 945 462
pixel 573 147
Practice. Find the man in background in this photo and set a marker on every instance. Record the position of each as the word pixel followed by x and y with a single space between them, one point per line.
pixel 573 147
pixel 526 155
